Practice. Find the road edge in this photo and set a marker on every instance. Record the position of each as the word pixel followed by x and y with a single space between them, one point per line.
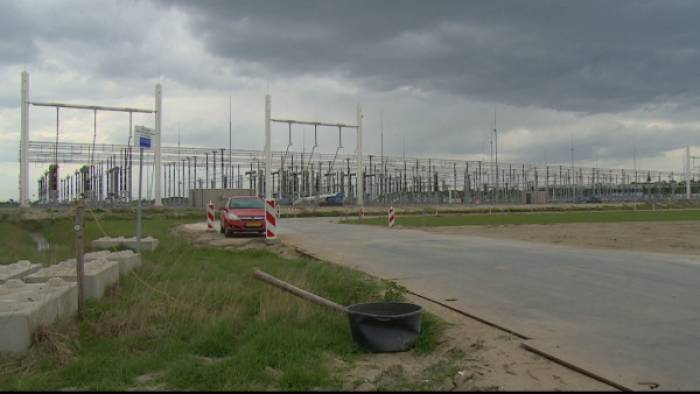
pixel 524 338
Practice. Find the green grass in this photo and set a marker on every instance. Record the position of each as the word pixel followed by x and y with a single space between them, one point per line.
pixel 17 244
pixel 193 318
pixel 535 218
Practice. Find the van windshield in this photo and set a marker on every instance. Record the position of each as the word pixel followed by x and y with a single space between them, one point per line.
pixel 246 203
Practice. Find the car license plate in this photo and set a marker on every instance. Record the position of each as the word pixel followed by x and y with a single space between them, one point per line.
pixel 253 224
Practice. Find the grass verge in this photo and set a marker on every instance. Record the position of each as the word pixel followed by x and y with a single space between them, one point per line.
pixel 193 318
pixel 17 244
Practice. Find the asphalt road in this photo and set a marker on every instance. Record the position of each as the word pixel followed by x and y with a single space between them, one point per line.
pixel 630 317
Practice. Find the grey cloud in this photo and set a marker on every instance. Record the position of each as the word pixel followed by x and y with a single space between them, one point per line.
pixel 594 56
pixel 97 39
pixel 16 45
pixel 620 145
pixel 88 25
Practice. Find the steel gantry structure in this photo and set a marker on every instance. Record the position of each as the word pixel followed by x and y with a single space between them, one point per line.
pixel 52 186
pixel 359 162
pixel 106 174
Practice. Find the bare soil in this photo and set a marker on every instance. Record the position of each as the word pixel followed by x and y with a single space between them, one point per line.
pixel 470 356
pixel 662 237
pixel 198 234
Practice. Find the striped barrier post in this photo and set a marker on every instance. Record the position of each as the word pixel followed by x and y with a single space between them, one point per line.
pixel 392 217
pixel 210 216
pixel 270 219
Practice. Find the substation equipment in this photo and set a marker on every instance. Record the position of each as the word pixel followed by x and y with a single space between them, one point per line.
pixel 106 176
pixel 89 181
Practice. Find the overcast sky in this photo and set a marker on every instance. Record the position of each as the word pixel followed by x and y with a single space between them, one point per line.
pixel 613 76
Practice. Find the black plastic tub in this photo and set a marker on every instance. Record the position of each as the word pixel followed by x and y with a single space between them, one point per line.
pixel 377 326
pixel 385 326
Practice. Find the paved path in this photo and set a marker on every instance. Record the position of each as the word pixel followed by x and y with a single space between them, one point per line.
pixel 628 316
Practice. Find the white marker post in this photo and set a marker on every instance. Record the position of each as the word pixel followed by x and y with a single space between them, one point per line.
pixel 268 149
pixel 24 143
pixel 144 139
pixel 687 172
pixel 157 165
pixel 360 165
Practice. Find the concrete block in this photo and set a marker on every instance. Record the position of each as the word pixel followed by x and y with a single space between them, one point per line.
pixel 26 306
pixel 102 243
pixel 17 270
pixel 127 259
pixel 107 242
pixel 92 256
pixel 96 255
pixel 99 275
pixel 147 243
pixel 199 198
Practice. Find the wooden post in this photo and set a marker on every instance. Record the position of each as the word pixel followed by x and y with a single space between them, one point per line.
pixel 298 292
pixel 79 223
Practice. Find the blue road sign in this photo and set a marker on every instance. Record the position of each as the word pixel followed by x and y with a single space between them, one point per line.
pixel 144 142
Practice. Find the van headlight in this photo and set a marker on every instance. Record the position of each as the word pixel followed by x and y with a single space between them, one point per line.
pixel 233 216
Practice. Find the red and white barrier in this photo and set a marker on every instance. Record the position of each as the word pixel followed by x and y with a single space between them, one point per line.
pixel 210 216
pixel 392 217
pixel 270 219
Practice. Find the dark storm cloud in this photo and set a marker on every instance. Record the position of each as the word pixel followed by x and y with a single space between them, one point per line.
pixel 16 44
pixel 593 56
pixel 89 24
pixel 100 39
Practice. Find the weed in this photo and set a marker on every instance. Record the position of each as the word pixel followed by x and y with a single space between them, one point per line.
pixel 432 329
pixel 394 292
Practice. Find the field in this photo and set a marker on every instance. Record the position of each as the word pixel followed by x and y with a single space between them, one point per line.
pixel 663 231
pixel 490 209
pixel 535 218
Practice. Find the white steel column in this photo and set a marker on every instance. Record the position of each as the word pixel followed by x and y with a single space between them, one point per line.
pixel 23 143
pixel 360 165
pixel 687 172
pixel 268 148
pixel 131 131
pixel 156 164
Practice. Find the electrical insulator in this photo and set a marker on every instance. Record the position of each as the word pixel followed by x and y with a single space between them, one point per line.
pixel 53 177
